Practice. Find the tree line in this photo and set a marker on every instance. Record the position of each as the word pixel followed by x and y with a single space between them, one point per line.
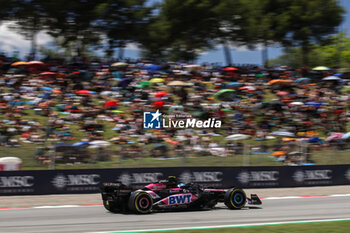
pixel 176 29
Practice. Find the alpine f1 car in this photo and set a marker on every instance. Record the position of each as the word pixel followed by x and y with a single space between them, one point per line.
pixel 168 195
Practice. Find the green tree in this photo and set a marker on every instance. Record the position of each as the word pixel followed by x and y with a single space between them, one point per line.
pixel 265 23
pixel 188 27
pixel 311 22
pixel 30 18
pixel 75 22
pixel 122 22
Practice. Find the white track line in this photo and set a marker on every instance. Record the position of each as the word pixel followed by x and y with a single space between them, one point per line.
pixel 228 226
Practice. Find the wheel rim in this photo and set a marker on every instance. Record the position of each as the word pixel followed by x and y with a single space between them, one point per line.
pixel 144 203
pixel 238 198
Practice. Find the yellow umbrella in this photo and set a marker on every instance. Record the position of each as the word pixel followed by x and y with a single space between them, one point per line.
pixel 19 63
pixel 156 80
pixel 116 64
pixel 321 68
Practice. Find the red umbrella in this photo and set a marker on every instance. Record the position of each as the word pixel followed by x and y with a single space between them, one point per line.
pixel 83 92
pixel 158 104
pixel 48 74
pixel 229 69
pixel 111 103
pixel 282 93
pixel 160 94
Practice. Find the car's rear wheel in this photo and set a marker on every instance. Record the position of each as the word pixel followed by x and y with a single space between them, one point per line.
pixel 141 203
pixel 235 198
pixel 111 206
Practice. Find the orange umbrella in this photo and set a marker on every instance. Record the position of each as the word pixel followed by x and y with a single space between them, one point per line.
pixel 280 81
pixel 19 63
pixel 278 153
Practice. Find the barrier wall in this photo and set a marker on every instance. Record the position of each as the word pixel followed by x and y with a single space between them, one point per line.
pixel 89 180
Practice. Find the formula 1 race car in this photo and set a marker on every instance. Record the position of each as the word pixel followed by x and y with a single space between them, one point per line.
pixel 168 195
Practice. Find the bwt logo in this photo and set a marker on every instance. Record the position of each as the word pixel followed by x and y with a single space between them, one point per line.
pixel 152 120
pixel 180 199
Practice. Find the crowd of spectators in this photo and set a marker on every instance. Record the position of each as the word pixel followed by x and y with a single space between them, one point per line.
pixel 93 100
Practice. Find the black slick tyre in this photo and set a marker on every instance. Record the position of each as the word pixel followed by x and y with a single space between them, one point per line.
pixel 140 203
pixel 235 198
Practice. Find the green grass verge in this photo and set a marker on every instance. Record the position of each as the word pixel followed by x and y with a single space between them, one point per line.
pixel 324 227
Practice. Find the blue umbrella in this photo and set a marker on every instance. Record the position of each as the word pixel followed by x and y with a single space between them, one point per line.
pixel 314 140
pixel 44 96
pixel 317 105
pixel 46 88
pixel 234 84
pixel 81 144
pixel 302 80
pixel 153 67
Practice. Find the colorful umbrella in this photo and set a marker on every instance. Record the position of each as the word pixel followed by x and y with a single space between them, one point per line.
pixel 119 64
pixel 248 88
pixel 317 105
pixel 111 103
pixel 156 80
pixel 302 80
pixel 280 82
pixel 145 83
pixel 117 111
pixel 331 78
pixel 177 83
pixel 283 134
pixel 334 137
pixel 236 137
pixel 234 84
pixel 158 104
pixel 48 74
pixel 321 68
pixel 160 94
pixel 282 93
pixel 346 136
pixel 229 69
pixel 224 94
pixel 36 63
pixel 46 88
pixel 84 92
pixel 19 63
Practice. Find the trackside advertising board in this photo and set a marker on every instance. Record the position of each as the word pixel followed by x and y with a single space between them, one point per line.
pixel 89 180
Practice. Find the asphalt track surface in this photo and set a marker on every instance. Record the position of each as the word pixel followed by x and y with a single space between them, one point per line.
pixel 96 218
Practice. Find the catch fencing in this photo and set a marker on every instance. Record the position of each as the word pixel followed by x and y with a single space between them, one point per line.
pixel 40 182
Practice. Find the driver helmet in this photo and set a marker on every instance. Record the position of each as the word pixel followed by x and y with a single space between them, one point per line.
pixel 181 185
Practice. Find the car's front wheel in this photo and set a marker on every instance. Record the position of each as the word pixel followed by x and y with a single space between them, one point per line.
pixel 235 198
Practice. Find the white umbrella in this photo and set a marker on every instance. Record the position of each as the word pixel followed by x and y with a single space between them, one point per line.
pixel 98 144
pixel 282 134
pixel 321 68
pixel 236 137
pixel 331 78
pixel 297 103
